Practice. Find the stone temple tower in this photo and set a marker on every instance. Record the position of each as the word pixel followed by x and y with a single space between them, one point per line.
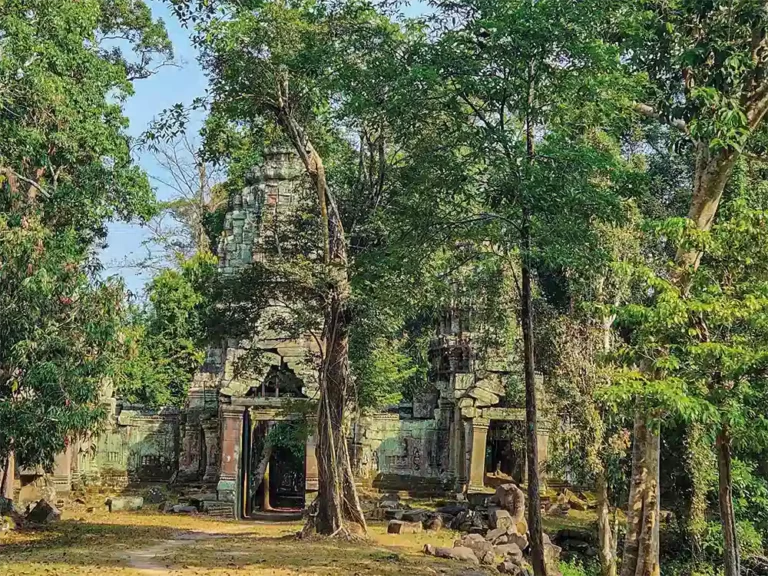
pixel 254 224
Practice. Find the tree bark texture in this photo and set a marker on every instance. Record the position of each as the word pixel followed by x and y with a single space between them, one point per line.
pixel 261 469
pixel 531 412
pixel 697 449
pixel 606 540
pixel 641 545
pixel 526 318
pixel 731 558
pixel 337 508
pixel 606 548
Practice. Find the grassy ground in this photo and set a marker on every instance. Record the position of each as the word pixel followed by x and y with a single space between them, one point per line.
pixel 153 544
pixel 143 544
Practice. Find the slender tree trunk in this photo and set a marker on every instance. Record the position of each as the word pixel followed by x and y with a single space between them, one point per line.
pixel 641 545
pixel 526 318
pixel 697 462
pixel 606 541
pixel 531 411
pixel 337 509
pixel 605 534
pixel 725 492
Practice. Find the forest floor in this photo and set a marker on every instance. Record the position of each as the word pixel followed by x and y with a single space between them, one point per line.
pixel 154 544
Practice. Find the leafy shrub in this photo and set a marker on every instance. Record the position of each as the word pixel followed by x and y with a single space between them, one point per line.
pixel 576 568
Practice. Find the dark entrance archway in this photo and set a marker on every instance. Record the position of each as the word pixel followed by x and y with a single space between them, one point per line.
pixel 505 449
pixel 282 487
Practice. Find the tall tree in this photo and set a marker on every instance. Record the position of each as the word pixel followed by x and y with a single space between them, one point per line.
pixel 707 67
pixel 65 169
pixel 286 67
pixel 507 75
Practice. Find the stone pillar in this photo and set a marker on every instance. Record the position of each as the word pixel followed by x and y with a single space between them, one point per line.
pixel 191 448
pixel 465 454
pixel 542 442
pixel 76 469
pixel 477 457
pixel 8 477
pixel 231 418
pixel 456 457
pixel 444 417
pixel 310 474
pixel 62 471
pixel 212 458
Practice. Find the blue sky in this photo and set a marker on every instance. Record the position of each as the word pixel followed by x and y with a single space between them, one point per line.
pixel 169 86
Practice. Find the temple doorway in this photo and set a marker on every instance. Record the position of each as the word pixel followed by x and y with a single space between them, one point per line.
pixel 279 487
pixel 505 450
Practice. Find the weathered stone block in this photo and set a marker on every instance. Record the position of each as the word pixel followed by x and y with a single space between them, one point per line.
pixel 43 513
pixel 483 397
pixel 128 503
pixel 510 552
pixel 400 527
pixel 457 553
pixel 499 518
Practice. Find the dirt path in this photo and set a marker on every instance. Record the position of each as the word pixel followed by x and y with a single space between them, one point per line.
pixel 148 561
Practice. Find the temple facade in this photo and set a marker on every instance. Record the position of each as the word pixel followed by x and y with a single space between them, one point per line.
pixel 446 440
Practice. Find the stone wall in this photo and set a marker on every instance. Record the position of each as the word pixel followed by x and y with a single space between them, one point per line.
pixel 392 453
pixel 137 445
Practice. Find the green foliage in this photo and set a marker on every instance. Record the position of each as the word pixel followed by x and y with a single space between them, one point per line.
pixel 66 69
pixel 59 340
pixel 65 75
pixel 576 568
pixel 166 341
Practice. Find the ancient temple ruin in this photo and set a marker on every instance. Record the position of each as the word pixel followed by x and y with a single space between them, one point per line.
pixel 445 441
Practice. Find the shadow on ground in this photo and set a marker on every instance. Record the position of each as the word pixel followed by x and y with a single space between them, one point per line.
pixel 197 546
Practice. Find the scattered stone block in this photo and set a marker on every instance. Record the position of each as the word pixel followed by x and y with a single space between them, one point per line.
pixel 434 523
pixel 127 503
pixel 499 518
pixel 43 513
pixel 493 535
pixel 401 527
pixel 457 553
pixel 392 514
pixel 41 488
pixel 512 499
pixel 415 515
pixel 510 552
pixel 575 502
pixel 478 544
pixel 521 540
pixel 509 567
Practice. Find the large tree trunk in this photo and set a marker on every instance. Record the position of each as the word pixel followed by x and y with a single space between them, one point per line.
pixel 337 509
pixel 338 504
pixel 641 545
pixel 261 469
pixel 725 492
pixel 711 175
